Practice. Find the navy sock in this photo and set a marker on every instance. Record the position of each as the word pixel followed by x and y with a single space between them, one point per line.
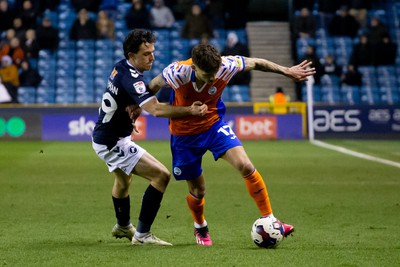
pixel 150 205
pixel 122 207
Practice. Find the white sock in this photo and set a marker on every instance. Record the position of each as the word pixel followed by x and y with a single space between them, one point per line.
pixel 272 217
pixel 204 224
pixel 140 235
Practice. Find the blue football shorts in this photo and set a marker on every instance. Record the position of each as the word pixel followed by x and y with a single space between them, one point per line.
pixel 188 150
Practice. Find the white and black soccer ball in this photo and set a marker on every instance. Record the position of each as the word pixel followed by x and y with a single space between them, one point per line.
pixel 267 232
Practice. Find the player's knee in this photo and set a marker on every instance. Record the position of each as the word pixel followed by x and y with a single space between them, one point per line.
pixel 246 168
pixel 163 177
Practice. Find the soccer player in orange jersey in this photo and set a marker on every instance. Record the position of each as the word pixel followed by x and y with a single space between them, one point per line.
pixel 203 78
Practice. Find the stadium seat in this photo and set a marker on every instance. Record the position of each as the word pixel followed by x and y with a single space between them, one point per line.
pixel 226 95
pixel 316 92
pixel 350 94
pixel 239 93
pixel 26 94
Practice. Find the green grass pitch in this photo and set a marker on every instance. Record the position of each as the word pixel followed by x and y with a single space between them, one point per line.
pixel 56 208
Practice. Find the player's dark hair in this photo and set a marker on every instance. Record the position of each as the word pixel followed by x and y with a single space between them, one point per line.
pixel 206 57
pixel 135 38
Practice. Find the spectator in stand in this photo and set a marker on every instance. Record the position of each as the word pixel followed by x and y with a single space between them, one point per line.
pixel 351 76
pixel 9 77
pixel 362 54
pixel 137 17
pixel 89 5
pixel 309 56
pixel 7 15
pixel 110 7
pixel 304 25
pixel 105 26
pixel 84 27
pixel 30 45
pixel 161 15
pixel 359 10
pixel 343 24
pixel 236 14
pixel 48 5
pixel 18 28
pixel 196 24
pixel 329 66
pixel 386 52
pixel 376 31
pixel 215 10
pixel 28 15
pixel 9 34
pixel 234 47
pixel 181 8
pixel 29 76
pixel 14 50
pixel 47 35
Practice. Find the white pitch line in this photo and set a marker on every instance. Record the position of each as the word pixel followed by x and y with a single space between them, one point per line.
pixel 354 153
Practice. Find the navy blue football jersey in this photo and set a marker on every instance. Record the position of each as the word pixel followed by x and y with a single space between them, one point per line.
pixel 125 87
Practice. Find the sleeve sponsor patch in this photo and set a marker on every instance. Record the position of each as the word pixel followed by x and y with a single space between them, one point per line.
pixel 140 87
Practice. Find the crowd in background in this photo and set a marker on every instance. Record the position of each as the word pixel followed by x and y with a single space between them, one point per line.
pixel 371 42
pixel 25 29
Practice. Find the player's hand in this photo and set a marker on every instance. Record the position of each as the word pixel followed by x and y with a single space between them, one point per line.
pixel 133 111
pixel 135 129
pixel 301 71
pixel 198 108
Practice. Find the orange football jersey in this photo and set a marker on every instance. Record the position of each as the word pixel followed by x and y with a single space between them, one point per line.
pixel 181 77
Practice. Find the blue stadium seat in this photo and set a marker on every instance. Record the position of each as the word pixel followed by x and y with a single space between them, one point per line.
pixel 350 94
pixel 226 95
pixel 369 95
pixel 239 93
pixel 26 94
pixel 104 44
pixel 45 54
pixel 45 95
pixel 316 92
pixel 66 54
pixel 85 44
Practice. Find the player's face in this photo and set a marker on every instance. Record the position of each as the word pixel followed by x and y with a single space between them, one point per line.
pixel 207 77
pixel 143 59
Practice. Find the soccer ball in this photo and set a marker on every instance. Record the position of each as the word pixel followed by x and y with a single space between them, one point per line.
pixel 267 232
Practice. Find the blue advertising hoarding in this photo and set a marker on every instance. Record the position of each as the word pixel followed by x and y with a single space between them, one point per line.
pixel 357 121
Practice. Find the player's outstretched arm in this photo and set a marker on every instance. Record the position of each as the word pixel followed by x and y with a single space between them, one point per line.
pixel 297 73
pixel 158 109
pixel 156 83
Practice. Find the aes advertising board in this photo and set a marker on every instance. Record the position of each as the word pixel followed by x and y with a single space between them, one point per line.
pixel 357 121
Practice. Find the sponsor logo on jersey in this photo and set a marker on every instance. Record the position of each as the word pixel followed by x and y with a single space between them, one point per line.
pixel 238 62
pixel 113 74
pixel 140 87
pixel 212 90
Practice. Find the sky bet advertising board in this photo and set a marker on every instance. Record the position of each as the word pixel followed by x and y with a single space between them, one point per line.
pixel 79 127
pixel 357 121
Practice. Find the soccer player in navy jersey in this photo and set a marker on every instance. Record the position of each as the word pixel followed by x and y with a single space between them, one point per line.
pixel 126 94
